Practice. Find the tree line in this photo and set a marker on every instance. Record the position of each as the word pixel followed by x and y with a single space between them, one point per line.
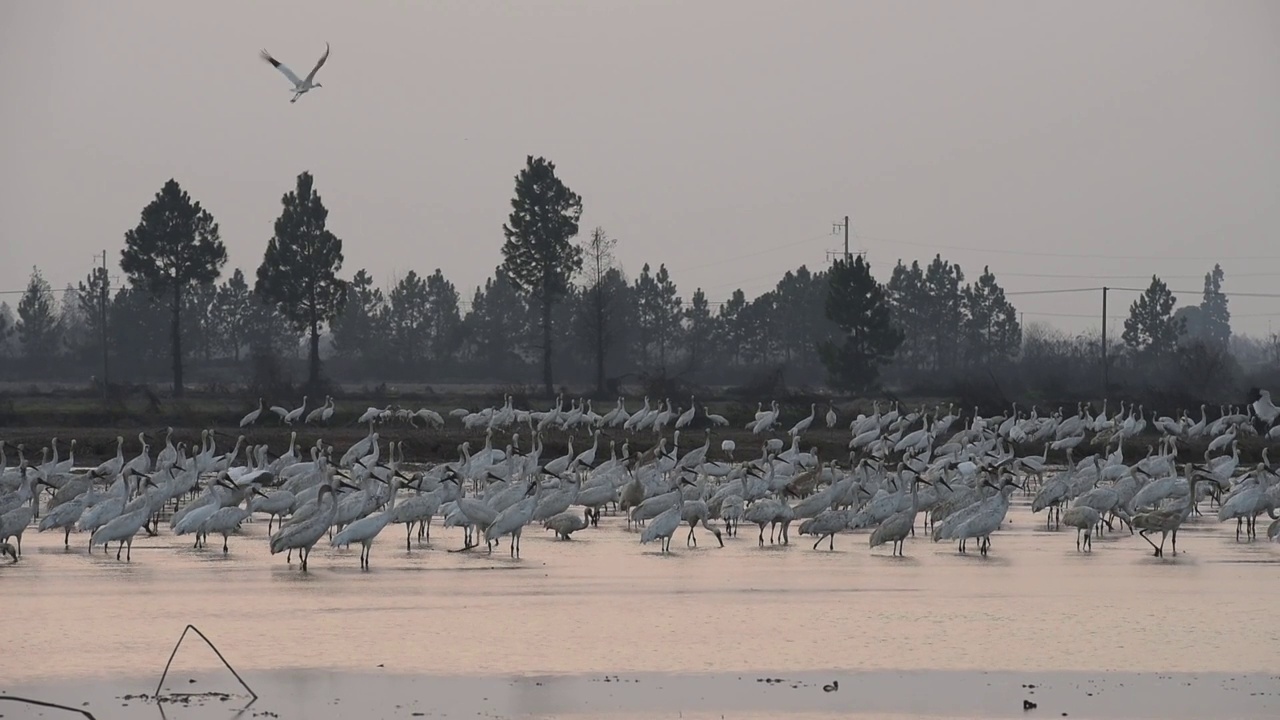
pixel 560 307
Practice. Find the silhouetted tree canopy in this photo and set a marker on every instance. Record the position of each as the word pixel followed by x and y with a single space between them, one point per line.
pixel 537 254
pixel 39 327
pixel 857 305
pixel 175 246
pixel 1151 328
pixel 299 271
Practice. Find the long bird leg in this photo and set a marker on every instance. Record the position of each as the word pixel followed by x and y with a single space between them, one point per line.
pixel 1143 533
pixel 408 537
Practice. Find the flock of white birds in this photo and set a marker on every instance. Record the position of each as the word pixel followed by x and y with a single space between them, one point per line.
pixel 960 475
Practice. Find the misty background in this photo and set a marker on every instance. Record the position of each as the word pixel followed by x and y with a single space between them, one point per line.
pixel 1063 145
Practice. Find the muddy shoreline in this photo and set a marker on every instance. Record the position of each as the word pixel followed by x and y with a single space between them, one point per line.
pixel 905 694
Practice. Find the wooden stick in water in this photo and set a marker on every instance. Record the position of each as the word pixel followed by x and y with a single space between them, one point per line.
pixel 215 651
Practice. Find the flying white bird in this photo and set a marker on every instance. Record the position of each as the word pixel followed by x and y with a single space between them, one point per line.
pixel 299 86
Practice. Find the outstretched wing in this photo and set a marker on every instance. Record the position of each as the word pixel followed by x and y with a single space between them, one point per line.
pixel 311 75
pixel 282 68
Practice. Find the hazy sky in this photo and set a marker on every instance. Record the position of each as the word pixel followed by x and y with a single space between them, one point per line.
pixel 1065 144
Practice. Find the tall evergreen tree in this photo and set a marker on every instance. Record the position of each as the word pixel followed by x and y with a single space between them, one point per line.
pixel 175 246
pixel 908 304
pixel 356 334
pixel 991 329
pixel 138 324
pixel 599 295
pixel 1151 329
pixel 857 305
pixel 799 322
pixel 757 330
pixel 94 301
pixel 39 326
pixel 943 312
pixel 444 320
pixel 74 324
pixel 537 254
pixel 232 305
pixel 699 329
pixel 406 321
pixel 6 328
pixel 497 324
pixel 1217 316
pixel 299 271
pixel 198 322
pixel 729 337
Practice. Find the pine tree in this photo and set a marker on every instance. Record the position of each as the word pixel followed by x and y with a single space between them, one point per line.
pixel 39 326
pixel 943 312
pixel 232 306
pixel 94 304
pixel 699 329
pixel 175 246
pixel 857 305
pixel 356 334
pixel 1151 329
pixel 405 321
pixel 907 302
pixel 299 271
pixel 537 254
pixel 728 328
pixel 444 321
pixel 6 328
pixel 991 329
pixel 600 296
pixel 645 292
pixel 667 315
pixel 1217 316
pixel 497 324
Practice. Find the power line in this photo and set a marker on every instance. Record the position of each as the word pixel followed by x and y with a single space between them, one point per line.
pixel 1085 256
pixel 1124 277
pixel 757 253
pixel 1054 292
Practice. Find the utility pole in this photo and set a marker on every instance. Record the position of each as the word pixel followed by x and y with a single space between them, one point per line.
pixel 102 324
pixel 844 227
pixel 1105 370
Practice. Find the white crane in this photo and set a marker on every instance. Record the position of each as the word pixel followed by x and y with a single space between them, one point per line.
pixel 300 86
pixel 367 528
pixel 804 424
pixel 322 413
pixel 293 415
pixel 225 521
pixel 512 520
pixel 306 533
pixel 664 526
pixel 252 417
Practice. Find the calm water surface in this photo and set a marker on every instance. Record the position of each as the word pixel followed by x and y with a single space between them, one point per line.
pixel 603 602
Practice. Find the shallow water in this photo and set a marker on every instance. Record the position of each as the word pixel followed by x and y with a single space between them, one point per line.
pixel 602 603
